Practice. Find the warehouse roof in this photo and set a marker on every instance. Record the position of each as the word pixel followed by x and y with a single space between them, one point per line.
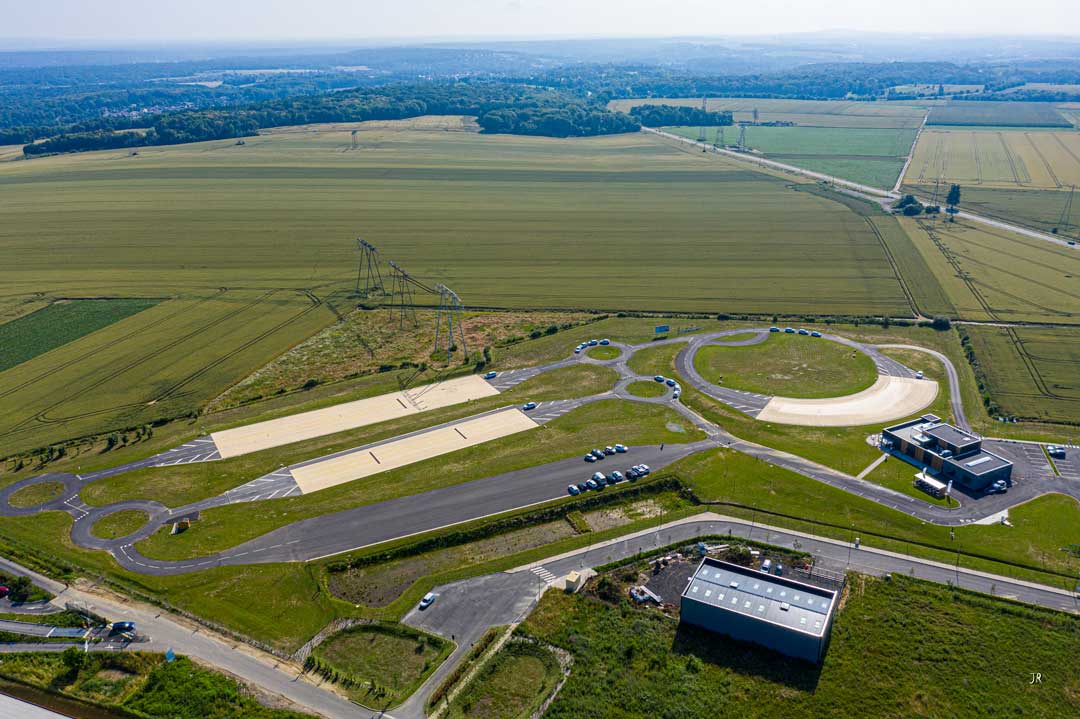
pixel 778 600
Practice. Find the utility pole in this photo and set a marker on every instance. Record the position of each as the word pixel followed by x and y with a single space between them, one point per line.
pixel 367 269
pixel 402 296
pixel 450 313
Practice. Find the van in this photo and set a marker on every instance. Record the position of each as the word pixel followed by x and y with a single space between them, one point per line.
pixel 766 565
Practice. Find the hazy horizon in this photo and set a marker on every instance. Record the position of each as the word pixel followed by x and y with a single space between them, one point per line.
pixel 127 23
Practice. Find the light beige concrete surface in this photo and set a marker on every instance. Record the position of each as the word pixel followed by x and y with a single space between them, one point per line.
pixel 349 415
pixel 401 452
pixel 887 399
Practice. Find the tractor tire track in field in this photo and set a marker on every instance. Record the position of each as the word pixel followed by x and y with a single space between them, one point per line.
pixel 1009 157
pixel 950 257
pixel 1066 148
pixel 895 268
pixel 978 159
pixel 170 392
pixel 117 371
pixel 1030 366
pixel 1045 162
pixel 91 353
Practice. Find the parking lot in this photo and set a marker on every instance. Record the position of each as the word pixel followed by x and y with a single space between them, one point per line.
pixel 1069 465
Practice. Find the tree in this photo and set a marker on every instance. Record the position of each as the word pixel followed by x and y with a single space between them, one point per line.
pixel 953 198
pixel 20 588
pixel 74 659
pixel 941 323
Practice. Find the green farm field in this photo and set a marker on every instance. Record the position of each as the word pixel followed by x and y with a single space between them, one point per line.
pixel 870 156
pixel 813 113
pixel 985 273
pixel 1032 372
pixel 161 363
pixel 35 334
pixel 1040 209
pixel 1043 159
pixel 1017 114
pixel 537 215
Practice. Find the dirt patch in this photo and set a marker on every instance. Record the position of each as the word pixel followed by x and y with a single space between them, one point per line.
pixel 675 427
pixel 114 675
pixel 602 519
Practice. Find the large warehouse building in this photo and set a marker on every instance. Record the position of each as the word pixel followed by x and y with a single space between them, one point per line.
pixel 783 614
pixel 949 452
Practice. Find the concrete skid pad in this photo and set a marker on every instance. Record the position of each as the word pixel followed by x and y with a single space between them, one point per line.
pixel 349 415
pixel 887 399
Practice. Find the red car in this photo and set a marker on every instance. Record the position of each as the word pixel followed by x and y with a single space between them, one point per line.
pixel 4 591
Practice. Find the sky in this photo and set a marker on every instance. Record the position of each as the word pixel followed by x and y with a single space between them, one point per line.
pixel 143 21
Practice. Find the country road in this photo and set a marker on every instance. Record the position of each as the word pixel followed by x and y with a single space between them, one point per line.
pixel 883 197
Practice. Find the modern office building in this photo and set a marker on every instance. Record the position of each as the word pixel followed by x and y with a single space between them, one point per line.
pixel 948 452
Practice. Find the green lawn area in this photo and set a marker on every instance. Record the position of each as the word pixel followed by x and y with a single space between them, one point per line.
pixel 36 494
pixel 647 389
pixel 119 524
pixel 904 648
pixel 280 604
pixel 35 334
pixel 604 352
pixel 182 484
pixel 381 664
pixel 788 365
pixel 137 684
pixel 597 423
pixel 1041 527
pixel 512 685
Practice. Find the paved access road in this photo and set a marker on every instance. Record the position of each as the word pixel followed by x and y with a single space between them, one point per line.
pixel 394 519
pixel 467 608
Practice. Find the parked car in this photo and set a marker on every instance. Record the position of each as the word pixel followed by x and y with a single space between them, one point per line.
pixel 4 591
pixel 998 487
pixel 644 468
pixel 528 405
pixel 598 454
pixel 428 600
pixel 599 477
pixel 774 329
pixel 1055 451
pixel 804 332
pixel 590 458
pixel 593 343
pixel 615 476
pixel 577 350
pixel 815 333
pixel 573 490
pixel 491 375
pixel 676 394
pixel 631 474
pixel 669 382
pixel 605 341
pixel 919 374
pixel 779 568
pixel 123 628
pixel 766 565
pixel 621 448
pixel 583 486
pixel 609 450
pixel 789 330
pixel 659 378
pixel 591 483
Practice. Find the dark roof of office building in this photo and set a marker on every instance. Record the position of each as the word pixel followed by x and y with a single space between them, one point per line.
pixel 980 463
pixel 769 598
pixel 951 435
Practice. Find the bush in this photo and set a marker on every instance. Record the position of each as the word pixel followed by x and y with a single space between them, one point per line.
pixel 941 323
